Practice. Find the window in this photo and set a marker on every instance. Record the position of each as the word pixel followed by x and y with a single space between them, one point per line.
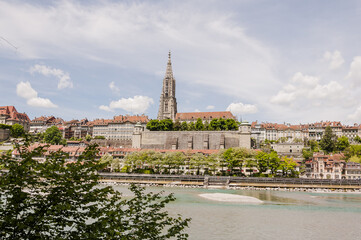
pixel 166 107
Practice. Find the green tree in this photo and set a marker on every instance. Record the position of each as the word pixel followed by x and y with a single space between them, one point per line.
pixel 313 144
pixel 166 125
pixel 222 124
pixel 99 137
pixel 153 125
pixel 206 125
pixel 262 162
pixel 288 167
pixel 214 125
pixel 53 199
pixel 184 126
pixel 231 124
pixel 274 162
pixel 199 125
pixel 17 130
pixel 52 135
pixel 4 126
pixel 307 153
pixel 357 139
pixel 328 141
pixel 88 138
pixel 355 159
pixel 191 126
pixel 177 125
pixel 342 143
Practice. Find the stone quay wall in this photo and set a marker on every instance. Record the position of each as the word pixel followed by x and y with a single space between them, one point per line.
pixel 4 134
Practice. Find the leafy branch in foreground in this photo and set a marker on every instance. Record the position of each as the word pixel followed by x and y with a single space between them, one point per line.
pixel 58 199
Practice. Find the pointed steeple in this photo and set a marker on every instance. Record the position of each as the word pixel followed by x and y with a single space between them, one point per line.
pixel 168 102
pixel 169 71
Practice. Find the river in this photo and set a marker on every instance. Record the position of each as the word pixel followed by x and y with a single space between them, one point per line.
pixel 282 215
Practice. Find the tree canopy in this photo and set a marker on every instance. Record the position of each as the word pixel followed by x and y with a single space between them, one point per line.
pixel 328 141
pixel 214 125
pixel 17 130
pixel 56 199
pixel 53 135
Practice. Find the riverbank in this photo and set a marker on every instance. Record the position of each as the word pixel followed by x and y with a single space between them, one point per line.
pixel 252 183
pixel 282 189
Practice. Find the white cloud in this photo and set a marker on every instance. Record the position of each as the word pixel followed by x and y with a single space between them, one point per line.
pixel 210 107
pixel 196 110
pixel 137 35
pixel 334 59
pixel 241 108
pixel 136 105
pixel 355 71
pixel 106 108
pixel 113 87
pixel 356 116
pixel 64 78
pixel 24 90
pixel 306 90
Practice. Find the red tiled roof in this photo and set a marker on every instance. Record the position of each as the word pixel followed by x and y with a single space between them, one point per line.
pixel 204 115
pixel 120 119
pixel 13 114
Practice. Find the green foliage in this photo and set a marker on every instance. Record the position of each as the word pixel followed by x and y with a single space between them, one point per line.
pixel 177 125
pixel 191 126
pixel 53 199
pixel 214 125
pixel 288 167
pixel 355 159
pixel 4 126
pixel 39 137
pixel 162 125
pixel 282 140
pixel 307 153
pixel 297 140
pixel 75 139
pixel 353 150
pixel 53 135
pixel 313 144
pixel 17 130
pixel 99 137
pixel 153 125
pixel 328 141
pixel 166 125
pixel 199 125
pixel 357 139
pixel 184 126
pixel 236 158
pixel 88 137
pixel 231 124
pixel 342 143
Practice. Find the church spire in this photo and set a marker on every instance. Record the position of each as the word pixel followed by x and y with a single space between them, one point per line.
pixel 168 102
pixel 169 71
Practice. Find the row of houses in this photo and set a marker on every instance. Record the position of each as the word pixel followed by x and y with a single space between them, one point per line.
pixel 333 166
pixel 121 127
pixel 76 148
pixel 312 131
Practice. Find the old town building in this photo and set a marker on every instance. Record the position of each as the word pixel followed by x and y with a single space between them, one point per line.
pixel 40 124
pixel 10 116
pixel 119 128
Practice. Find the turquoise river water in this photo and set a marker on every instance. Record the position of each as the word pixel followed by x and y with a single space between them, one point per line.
pixel 282 215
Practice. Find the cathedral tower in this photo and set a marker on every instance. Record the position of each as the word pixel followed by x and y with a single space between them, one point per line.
pixel 168 102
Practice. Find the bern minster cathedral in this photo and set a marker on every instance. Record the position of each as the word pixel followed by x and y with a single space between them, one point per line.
pixel 196 140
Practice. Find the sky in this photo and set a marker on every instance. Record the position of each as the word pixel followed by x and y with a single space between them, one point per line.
pixel 271 61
